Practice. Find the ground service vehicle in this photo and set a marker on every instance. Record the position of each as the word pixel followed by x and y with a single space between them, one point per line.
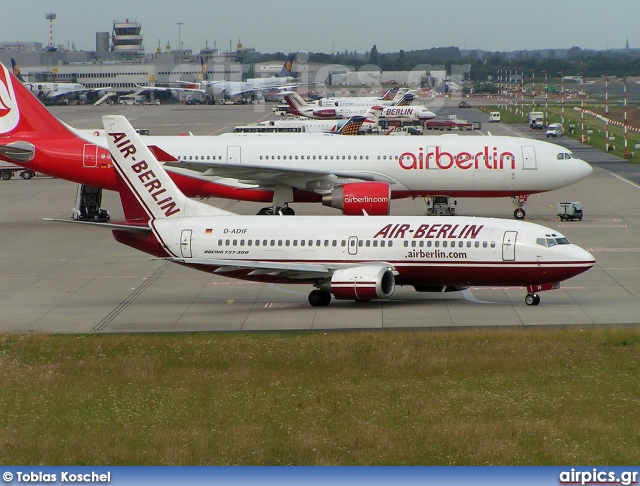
pixel 7 171
pixel 555 130
pixel 570 211
pixel 536 119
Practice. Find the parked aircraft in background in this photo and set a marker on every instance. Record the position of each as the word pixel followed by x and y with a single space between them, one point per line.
pixel 56 92
pixel 391 97
pixel 299 107
pixel 350 260
pixel 354 174
pixel 251 87
pixel 309 125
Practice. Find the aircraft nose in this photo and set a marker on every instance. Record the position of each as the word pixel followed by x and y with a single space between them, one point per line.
pixel 586 169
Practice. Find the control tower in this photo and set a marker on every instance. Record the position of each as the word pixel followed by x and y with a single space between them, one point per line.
pixel 126 40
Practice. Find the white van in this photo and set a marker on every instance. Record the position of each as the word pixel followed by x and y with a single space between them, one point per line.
pixel 494 116
pixel 555 130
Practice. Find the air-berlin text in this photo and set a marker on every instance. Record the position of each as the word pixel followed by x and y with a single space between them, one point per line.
pixel 146 176
pixel 486 159
pixel 430 231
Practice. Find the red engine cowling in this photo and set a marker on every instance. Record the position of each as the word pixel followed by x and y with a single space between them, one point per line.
pixel 361 283
pixel 325 113
pixel 353 198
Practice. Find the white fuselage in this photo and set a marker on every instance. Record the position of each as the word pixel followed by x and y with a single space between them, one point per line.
pixel 306 125
pixel 237 88
pixel 447 164
pixel 414 166
pixel 423 250
pixel 52 91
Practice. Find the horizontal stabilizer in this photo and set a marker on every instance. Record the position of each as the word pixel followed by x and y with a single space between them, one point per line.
pixel 18 151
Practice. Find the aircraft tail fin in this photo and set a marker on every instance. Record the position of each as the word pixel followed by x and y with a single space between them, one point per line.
pixel 352 127
pixel 21 112
pixel 390 95
pixel 16 70
pixel 373 114
pixel 285 72
pixel 295 102
pixel 399 94
pixel 203 68
pixel 406 100
pixel 146 190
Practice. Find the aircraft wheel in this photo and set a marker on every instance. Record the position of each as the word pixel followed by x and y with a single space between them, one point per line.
pixel 318 298
pixel 532 299
pixel 287 211
pixel 267 210
pixel 519 213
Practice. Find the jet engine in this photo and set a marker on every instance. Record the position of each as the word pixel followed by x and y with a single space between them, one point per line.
pixel 361 283
pixel 353 198
pixel 325 113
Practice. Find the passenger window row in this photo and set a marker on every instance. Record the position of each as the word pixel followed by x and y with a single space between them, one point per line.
pixel 449 244
pixel 307 243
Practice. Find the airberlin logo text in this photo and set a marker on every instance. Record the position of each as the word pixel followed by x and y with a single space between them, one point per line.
pixel 437 159
pixel 145 175
pixel 398 111
pixel 365 199
pixel 430 231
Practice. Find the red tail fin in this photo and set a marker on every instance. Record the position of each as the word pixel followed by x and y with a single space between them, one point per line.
pixel 21 112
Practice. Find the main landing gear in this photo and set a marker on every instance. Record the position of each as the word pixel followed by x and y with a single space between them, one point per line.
pixel 519 201
pixel 277 210
pixel 532 299
pixel 318 298
pixel 281 195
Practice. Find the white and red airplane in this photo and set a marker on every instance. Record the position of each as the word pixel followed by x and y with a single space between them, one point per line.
pixel 362 261
pixel 354 174
pixel 391 97
pixel 299 107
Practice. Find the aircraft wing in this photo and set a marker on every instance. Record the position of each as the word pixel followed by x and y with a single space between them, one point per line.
pixel 258 89
pixel 302 271
pixel 167 89
pixel 269 175
pixel 128 228
pixel 298 271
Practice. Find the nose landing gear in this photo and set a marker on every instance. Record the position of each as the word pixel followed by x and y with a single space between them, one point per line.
pixel 519 201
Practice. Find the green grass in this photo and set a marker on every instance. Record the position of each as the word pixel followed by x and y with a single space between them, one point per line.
pixel 432 398
pixel 596 139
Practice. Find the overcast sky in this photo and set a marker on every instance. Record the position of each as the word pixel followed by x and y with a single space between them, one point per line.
pixel 334 25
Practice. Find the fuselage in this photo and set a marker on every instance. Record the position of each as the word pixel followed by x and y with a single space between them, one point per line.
pixel 425 251
pixel 414 166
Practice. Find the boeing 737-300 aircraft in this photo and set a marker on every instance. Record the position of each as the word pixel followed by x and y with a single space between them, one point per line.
pixel 355 174
pixel 353 260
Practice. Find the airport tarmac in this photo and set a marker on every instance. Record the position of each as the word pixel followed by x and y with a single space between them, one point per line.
pixel 57 277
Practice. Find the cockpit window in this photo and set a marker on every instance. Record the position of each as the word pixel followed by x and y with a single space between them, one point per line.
pixel 564 156
pixel 552 240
